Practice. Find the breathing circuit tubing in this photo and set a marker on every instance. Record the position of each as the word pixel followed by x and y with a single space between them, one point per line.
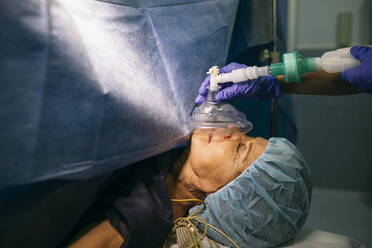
pixel 292 68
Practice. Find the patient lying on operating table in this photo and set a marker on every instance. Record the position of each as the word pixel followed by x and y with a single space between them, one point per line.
pixel 255 191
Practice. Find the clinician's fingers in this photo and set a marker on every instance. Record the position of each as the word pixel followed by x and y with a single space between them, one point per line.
pixel 200 99
pixel 228 93
pixel 359 52
pixel 203 88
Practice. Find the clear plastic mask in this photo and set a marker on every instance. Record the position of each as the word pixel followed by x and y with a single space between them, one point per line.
pixel 218 116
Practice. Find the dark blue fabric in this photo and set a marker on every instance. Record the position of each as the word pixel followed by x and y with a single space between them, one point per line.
pixel 91 86
pixel 142 206
pixel 43 214
pixel 87 87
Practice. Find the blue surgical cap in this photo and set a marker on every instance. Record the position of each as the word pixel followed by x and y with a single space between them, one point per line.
pixel 267 204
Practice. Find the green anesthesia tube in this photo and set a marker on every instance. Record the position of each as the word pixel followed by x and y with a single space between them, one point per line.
pixel 293 67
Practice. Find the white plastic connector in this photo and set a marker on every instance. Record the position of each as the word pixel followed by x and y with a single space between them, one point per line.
pixel 213 72
pixel 237 76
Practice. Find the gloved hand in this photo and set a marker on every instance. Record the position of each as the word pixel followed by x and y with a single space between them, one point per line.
pixel 360 76
pixel 260 88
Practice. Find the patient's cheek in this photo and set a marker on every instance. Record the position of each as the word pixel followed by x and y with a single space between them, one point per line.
pixel 213 162
pixel 205 156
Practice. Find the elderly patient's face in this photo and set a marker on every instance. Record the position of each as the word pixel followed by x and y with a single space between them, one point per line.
pixel 218 157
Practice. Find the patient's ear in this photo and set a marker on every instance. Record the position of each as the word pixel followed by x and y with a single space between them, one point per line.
pixel 249 150
pixel 259 146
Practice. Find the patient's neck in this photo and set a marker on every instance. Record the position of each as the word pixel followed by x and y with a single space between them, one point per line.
pixel 179 188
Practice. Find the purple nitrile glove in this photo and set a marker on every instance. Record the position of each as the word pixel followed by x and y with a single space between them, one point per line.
pixel 260 88
pixel 360 76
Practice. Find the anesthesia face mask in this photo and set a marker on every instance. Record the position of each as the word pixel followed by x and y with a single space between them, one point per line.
pixel 213 116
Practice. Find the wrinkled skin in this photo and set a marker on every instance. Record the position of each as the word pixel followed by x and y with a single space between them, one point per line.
pixel 214 160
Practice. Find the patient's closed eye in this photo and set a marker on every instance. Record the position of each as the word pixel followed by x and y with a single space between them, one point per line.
pixel 238 147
